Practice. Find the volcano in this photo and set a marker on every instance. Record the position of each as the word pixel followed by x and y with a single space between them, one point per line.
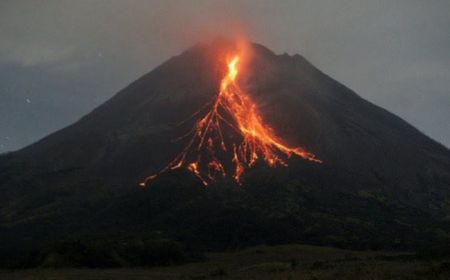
pixel 322 165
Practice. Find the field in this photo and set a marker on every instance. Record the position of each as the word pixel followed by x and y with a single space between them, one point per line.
pixel 264 262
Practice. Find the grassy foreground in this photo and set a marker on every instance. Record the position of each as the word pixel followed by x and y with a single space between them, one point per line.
pixel 264 262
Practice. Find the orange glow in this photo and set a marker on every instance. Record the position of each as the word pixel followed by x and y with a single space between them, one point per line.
pixel 216 155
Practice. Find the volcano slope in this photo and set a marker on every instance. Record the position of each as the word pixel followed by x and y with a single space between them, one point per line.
pixel 381 183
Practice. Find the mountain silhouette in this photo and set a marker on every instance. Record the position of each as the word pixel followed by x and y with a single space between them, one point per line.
pixel 381 183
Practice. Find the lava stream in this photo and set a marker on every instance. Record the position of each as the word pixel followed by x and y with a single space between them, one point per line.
pixel 209 155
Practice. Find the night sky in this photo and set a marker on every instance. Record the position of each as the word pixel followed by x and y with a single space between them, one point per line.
pixel 60 59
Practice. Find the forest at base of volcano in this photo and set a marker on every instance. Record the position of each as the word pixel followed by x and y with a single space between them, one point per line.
pixel 171 223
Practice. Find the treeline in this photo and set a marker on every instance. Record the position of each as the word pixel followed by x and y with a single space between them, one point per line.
pixel 107 251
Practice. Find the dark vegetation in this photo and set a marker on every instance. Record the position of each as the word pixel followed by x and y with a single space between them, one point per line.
pixel 94 253
pixel 266 262
pixel 176 219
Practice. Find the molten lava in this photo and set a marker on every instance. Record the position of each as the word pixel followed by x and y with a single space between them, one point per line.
pixel 209 154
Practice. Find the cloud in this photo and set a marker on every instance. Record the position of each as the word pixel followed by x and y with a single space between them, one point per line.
pixel 33 54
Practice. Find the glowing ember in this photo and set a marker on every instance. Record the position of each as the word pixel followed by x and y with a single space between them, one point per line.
pixel 209 154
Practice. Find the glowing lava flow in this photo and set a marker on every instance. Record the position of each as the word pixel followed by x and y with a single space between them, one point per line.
pixel 209 155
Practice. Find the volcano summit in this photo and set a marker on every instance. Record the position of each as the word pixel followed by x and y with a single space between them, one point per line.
pixel 380 183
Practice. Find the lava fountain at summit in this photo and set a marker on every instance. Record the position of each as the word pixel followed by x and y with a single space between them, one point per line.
pixel 210 155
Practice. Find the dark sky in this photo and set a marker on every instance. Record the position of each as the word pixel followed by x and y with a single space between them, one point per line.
pixel 60 59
